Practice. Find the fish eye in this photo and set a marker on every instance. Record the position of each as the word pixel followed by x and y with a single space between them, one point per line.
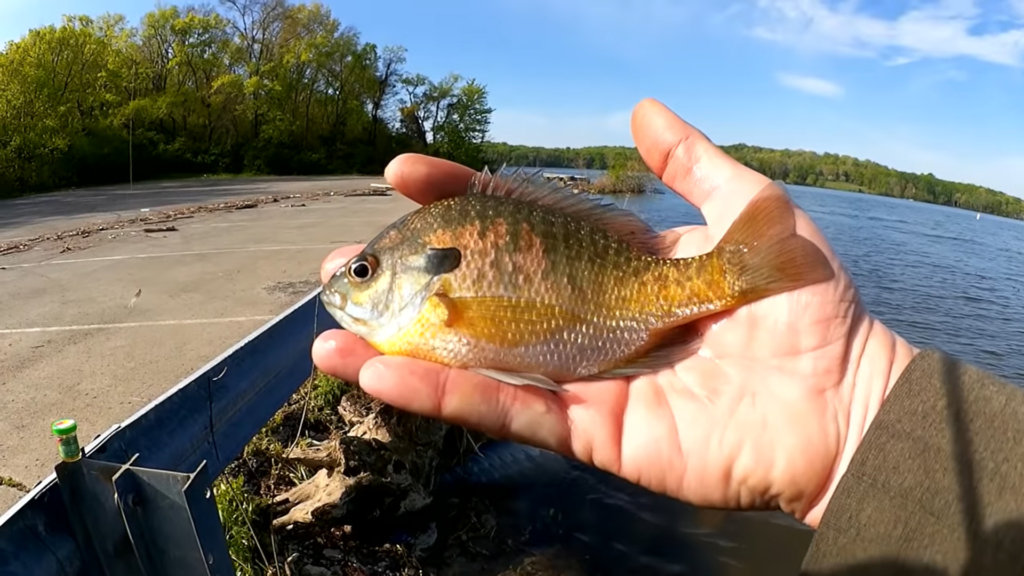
pixel 361 268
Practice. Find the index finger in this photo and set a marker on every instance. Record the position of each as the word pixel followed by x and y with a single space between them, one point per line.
pixel 519 413
pixel 425 179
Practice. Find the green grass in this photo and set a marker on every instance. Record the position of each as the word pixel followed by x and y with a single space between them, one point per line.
pixel 241 490
pixel 240 511
pixel 389 456
pixel 325 393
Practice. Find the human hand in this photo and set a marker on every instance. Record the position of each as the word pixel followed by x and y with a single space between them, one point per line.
pixel 767 414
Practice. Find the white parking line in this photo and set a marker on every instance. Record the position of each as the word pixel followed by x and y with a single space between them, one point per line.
pixel 132 324
pixel 255 222
pixel 162 254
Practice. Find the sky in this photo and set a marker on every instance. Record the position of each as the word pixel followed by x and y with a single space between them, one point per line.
pixel 919 85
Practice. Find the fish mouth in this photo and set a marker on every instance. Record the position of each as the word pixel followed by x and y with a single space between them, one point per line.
pixel 348 314
pixel 335 303
pixel 332 299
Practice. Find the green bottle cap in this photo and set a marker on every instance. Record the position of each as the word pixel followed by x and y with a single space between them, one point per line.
pixel 64 427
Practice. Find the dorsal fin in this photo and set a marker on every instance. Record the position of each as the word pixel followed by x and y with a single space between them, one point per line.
pixel 619 222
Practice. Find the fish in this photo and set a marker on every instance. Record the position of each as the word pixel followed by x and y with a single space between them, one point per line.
pixel 533 284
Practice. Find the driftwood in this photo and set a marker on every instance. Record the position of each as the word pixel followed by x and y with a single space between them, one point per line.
pixel 380 468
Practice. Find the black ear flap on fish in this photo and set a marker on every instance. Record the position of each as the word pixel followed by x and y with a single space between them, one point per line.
pixel 442 260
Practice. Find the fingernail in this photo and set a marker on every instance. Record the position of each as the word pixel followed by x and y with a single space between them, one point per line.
pixel 370 370
pixel 325 342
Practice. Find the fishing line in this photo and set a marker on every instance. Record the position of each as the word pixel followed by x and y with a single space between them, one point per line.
pixel 312 372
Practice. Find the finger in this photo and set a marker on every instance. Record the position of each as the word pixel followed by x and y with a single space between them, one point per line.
pixel 426 179
pixel 336 259
pixel 341 354
pixel 518 413
pixel 687 162
pixel 689 241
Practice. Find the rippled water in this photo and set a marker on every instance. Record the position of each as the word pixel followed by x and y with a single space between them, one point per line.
pixel 939 276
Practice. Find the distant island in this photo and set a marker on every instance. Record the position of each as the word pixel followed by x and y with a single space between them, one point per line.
pixel 800 167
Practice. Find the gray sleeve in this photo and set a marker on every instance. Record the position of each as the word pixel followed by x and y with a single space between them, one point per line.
pixel 937 485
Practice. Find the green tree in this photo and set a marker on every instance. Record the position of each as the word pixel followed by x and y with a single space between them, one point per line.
pixel 826 170
pixel 264 86
pixel 449 118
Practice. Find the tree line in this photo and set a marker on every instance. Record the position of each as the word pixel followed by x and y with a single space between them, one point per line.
pixel 275 87
pixel 247 86
pixel 800 167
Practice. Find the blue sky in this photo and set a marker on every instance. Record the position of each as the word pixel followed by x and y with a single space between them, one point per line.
pixel 919 85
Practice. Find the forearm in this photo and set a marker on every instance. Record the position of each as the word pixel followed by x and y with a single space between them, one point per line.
pixel 937 479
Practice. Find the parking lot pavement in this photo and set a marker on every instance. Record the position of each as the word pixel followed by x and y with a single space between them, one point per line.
pixel 8 496
pixel 74 344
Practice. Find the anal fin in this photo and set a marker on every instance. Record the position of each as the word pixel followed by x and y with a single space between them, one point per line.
pixel 519 378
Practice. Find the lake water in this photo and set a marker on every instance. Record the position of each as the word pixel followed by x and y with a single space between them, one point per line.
pixel 939 276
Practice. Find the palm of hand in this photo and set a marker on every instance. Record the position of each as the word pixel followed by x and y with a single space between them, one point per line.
pixel 751 420
pixel 758 418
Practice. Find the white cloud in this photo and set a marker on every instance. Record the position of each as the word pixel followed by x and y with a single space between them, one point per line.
pixel 939 29
pixel 811 85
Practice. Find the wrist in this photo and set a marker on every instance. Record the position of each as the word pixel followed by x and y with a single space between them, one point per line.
pixel 878 357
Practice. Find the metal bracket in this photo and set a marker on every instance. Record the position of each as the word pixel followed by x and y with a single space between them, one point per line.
pixel 132 521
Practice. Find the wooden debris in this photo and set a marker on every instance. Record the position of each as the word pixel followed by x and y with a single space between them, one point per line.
pixel 147 217
pixel 152 229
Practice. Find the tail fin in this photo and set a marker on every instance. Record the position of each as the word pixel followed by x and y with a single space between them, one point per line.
pixel 764 252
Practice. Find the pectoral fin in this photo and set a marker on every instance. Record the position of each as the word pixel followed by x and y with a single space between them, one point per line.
pixel 506 322
pixel 520 379
pixel 439 309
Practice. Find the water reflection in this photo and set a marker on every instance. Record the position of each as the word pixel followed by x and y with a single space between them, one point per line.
pixel 610 526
